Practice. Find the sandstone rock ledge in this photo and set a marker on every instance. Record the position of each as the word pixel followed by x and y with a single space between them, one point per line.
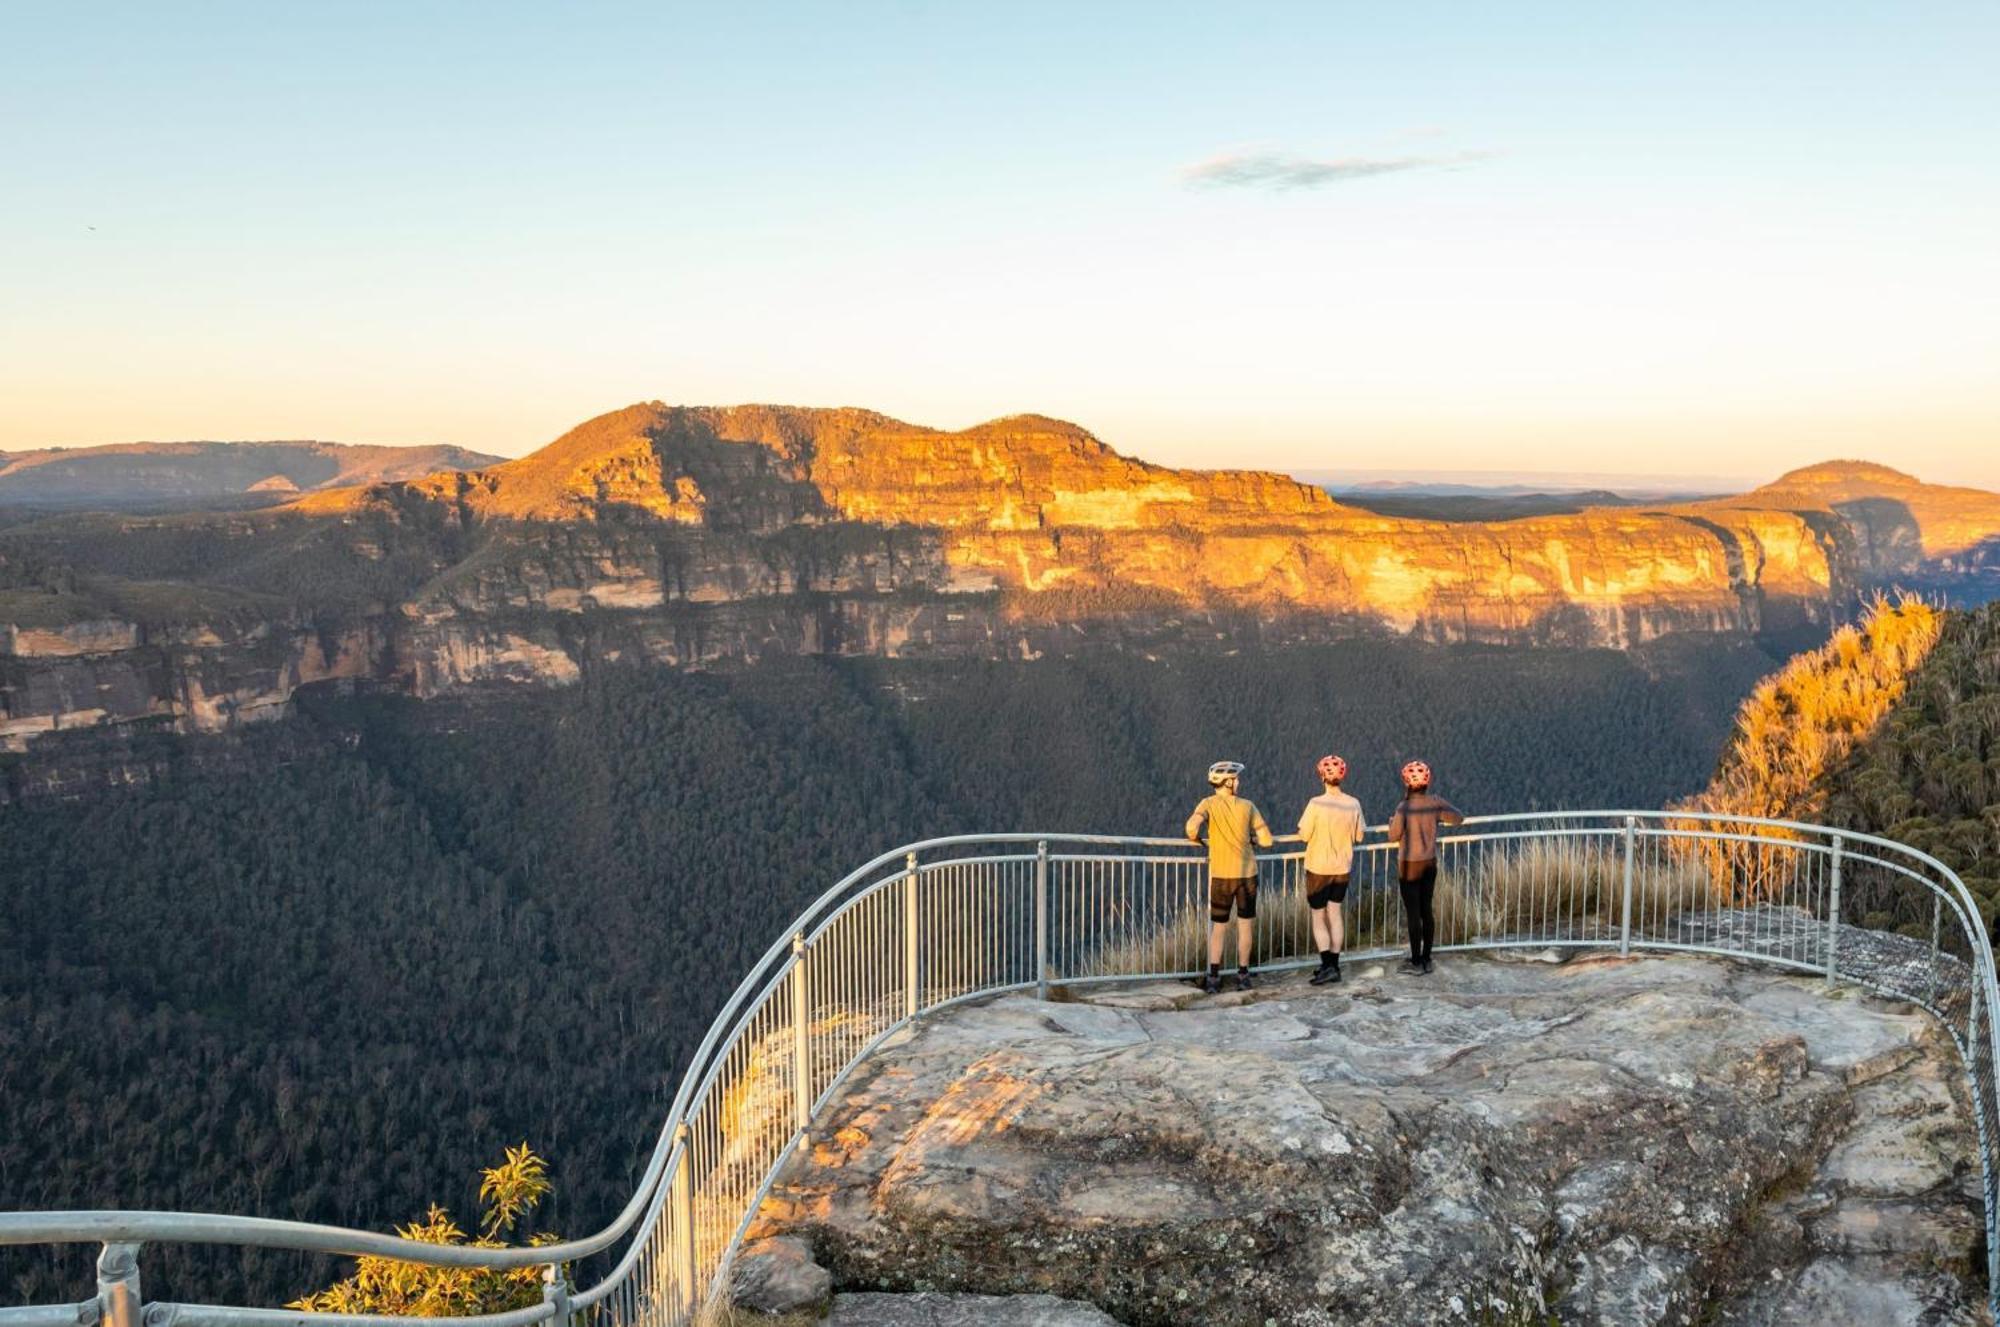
pixel 1646 1141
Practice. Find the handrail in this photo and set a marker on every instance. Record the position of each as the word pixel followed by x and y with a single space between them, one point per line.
pixel 900 872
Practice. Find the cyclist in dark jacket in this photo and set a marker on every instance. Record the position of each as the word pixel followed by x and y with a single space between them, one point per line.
pixel 1414 831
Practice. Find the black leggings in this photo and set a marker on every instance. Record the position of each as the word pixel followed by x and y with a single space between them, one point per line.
pixel 1418 896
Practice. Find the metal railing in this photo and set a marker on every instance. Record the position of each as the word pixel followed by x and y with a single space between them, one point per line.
pixel 953 919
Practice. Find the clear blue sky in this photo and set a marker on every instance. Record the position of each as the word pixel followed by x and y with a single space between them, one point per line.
pixel 1721 238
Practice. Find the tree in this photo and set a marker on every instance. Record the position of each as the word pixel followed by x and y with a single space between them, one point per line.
pixel 508 1192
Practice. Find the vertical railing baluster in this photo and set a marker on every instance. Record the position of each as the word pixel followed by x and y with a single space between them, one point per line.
pixel 555 1293
pixel 1042 920
pixel 1937 921
pixel 802 1087
pixel 1972 1019
pixel 684 1297
pixel 913 994
pixel 1833 916
pixel 1625 914
pixel 118 1301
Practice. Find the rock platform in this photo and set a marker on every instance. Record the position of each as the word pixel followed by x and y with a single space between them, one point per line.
pixel 1654 1140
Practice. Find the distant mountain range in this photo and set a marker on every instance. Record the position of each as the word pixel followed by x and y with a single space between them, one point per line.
pixel 1518 483
pixel 1451 502
pixel 697 536
pixel 166 475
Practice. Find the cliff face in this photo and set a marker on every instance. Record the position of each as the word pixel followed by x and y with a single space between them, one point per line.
pixel 1034 507
pixel 690 536
pixel 1898 525
pixel 189 680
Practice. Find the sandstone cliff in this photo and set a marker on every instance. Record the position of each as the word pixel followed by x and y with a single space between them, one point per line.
pixel 1043 511
pixel 691 536
pixel 1899 526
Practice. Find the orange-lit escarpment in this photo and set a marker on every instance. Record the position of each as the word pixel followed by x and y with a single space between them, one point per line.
pixel 696 536
pixel 1061 527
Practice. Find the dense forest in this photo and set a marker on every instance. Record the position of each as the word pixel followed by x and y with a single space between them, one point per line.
pixel 1930 775
pixel 324 968
pixel 1892 728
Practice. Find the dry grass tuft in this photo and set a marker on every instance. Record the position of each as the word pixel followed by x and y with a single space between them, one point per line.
pixel 1559 887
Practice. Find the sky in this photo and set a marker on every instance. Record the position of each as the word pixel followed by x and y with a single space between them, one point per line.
pixel 1714 239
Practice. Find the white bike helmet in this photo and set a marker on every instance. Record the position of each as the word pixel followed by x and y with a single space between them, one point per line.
pixel 1222 771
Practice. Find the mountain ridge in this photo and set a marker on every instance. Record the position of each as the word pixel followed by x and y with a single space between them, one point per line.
pixel 1004 494
pixel 800 437
pixel 1899 521
pixel 840 450
pixel 694 536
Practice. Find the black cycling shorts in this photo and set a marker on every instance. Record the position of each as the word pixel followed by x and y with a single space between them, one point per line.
pixel 1224 892
pixel 1324 889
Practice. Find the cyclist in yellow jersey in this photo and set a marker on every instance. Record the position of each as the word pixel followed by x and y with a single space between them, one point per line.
pixel 1236 829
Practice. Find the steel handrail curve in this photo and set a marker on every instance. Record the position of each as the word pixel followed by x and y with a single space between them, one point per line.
pixel 134 1227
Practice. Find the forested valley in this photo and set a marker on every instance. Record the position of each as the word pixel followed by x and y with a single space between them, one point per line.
pixel 326 968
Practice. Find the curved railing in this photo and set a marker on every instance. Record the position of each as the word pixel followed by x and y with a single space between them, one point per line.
pixel 952 919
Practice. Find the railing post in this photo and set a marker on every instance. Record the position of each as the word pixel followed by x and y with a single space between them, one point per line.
pixel 118 1303
pixel 801 1049
pixel 1992 1183
pixel 683 1200
pixel 555 1292
pixel 1625 912
pixel 1833 918
pixel 1937 921
pixel 913 995
pixel 1042 920
pixel 1972 1015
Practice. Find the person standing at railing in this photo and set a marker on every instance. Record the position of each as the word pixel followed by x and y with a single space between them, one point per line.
pixel 1414 831
pixel 1236 829
pixel 1331 825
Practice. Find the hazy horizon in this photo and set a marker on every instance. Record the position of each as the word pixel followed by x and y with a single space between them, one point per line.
pixel 1630 483
pixel 1556 237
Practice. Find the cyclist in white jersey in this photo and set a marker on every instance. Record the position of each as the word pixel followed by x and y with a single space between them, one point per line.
pixel 1331 824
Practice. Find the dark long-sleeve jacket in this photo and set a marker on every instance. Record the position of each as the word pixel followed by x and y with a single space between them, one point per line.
pixel 1414 827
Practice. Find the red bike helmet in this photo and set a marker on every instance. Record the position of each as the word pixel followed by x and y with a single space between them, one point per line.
pixel 1332 769
pixel 1416 774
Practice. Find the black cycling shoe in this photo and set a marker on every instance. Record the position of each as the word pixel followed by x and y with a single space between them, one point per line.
pixel 1427 967
pixel 1244 979
pixel 1333 975
pixel 1409 967
pixel 1211 985
pixel 1326 973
